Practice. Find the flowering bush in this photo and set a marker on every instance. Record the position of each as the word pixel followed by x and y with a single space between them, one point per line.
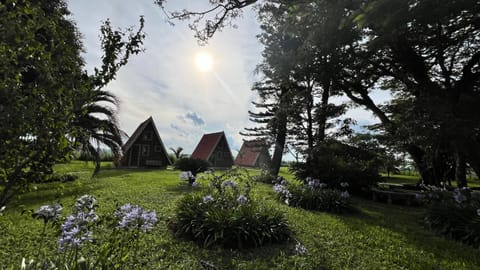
pixel 225 214
pixel 454 214
pixel 313 195
pixel 78 229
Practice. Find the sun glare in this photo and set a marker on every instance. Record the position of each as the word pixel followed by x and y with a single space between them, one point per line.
pixel 204 61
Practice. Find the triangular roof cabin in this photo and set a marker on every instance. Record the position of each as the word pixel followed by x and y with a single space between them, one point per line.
pixel 253 154
pixel 214 148
pixel 145 148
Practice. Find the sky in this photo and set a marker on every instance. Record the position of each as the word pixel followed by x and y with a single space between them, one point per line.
pixel 164 81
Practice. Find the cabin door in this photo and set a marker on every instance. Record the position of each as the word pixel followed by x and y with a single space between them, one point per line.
pixel 135 158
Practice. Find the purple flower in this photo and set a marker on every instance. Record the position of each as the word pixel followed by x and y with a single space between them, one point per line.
pixel 419 197
pixel 207 199
pixel 85 203
pixel 459 197
pixel 229 183
pixel 186 175
pixel 134 217
pixel 75 230
pixel 278 188
pixel 195 184
pixel 344 195
pixel 300 249
pixel 242 199
pixel 48 212
pixel 344 184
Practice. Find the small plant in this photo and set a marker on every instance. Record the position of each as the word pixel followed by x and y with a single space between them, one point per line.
pixel 78 230
pixel 454 214
pixel 225 214
pixel 188 176
pixel 265 176
pixel 314 195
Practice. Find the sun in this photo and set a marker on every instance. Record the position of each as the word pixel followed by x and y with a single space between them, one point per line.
pixel 204 61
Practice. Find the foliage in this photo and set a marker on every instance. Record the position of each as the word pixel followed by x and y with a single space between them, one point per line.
pixel 40 52
pixel 66 177
pixel 313 195
pixel 454 214
pixel 226 215
pixel 265 177
pixel 50 105
pixel 335 162
pixel 77 231
pixel 192 165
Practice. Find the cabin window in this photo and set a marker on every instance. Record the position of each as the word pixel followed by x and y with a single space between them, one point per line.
pixel 147 136
pixel 158 148
pixel 145 150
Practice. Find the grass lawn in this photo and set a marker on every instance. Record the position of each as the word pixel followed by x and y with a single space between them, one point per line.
pixel 377 236
pixel 472 181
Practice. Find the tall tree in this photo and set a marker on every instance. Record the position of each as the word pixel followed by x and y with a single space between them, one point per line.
pixel 42 77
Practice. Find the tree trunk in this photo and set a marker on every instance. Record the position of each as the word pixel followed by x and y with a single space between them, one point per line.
pixel 460 169
pixel 280 139
pixel 278 152
pixel 322 119
pixel 418 156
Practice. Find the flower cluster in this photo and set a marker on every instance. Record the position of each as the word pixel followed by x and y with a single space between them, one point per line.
pixel 283 191
pixel 75 229
pixel 208 198
pixel 85 203
pixel 48 212
pixel 312 194
pixel 345 194
pixel 300 249
pixel 461 195
pixel 188 176
pixel 242 199
pixel 344 184
pixel 134 217
pixel 315 183
pixel 229 183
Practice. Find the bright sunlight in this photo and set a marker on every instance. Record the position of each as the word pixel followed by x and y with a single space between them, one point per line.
pixel 204 61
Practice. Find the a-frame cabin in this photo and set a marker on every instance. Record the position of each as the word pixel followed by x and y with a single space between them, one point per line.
pixel 253 154
pixel 214 148
pixel 145 148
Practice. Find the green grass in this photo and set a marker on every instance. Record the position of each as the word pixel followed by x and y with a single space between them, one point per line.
pixel 472 181
pixel 377 236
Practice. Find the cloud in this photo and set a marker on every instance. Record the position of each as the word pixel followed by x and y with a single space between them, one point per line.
pixel 196 119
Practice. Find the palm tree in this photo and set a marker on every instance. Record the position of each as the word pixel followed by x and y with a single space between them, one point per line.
pixel 177 152
pixel 95 123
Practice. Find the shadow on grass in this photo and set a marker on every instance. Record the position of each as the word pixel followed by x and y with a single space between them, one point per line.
pixel 406 221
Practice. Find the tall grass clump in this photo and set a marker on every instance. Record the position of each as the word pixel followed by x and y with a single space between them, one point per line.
pixel 225 214
pixel 454 214
pixel 313 195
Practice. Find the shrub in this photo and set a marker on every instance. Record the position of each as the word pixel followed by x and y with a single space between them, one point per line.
pixel 454 214
pixel 192 164
pixel 62 178
pixel 265 176
pixel 225 214
pixel 314 195
pixel 334 162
